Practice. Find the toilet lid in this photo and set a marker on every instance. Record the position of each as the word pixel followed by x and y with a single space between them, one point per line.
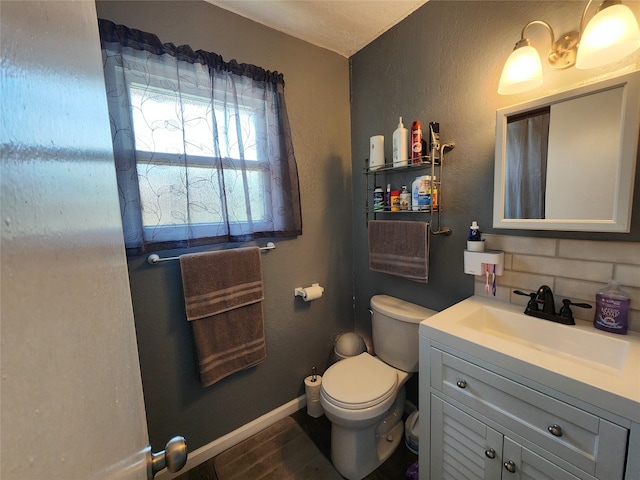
pixel 359 382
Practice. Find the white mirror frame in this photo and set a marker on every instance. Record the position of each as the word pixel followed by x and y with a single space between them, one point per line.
pixel 621 221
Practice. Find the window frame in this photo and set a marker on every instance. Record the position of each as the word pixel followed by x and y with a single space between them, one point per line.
pixel 167 232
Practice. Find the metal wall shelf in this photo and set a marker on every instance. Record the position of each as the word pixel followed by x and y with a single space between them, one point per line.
pixel 424 164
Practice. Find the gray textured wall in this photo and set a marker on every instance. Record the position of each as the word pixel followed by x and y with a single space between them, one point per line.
pixel 442 64
pixel 298 335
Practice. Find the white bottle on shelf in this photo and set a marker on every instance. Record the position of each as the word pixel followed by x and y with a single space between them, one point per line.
pixel 400 145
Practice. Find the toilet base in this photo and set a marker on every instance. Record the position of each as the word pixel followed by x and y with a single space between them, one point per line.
pixel 355 453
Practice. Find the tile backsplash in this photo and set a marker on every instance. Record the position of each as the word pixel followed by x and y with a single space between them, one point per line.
pixel 574 269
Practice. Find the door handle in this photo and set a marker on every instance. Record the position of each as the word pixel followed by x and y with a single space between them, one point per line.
pixel 174 457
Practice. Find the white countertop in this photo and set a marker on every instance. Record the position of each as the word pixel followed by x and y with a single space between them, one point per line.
pixel 614 390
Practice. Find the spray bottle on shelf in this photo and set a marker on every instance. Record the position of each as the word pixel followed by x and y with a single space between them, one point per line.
pixel 416 142
pixel 400 145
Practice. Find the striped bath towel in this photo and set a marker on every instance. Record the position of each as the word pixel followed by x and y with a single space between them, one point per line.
pixel 223 301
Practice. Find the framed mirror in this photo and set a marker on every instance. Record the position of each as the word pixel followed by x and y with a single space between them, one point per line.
pixel 567 162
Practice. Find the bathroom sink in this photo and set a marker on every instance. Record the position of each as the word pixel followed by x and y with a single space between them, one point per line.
pixel 504 327
pixel 577 360
pixel 567 342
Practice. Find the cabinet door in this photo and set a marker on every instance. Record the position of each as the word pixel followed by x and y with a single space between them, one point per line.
pixel 520 463
pixel 462 448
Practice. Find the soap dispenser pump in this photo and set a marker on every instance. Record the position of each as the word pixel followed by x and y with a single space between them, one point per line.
pixel 400 145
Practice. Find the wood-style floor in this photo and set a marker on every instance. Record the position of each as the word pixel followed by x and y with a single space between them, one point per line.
pixel 319 430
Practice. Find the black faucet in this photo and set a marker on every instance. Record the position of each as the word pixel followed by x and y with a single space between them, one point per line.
pixel 544 296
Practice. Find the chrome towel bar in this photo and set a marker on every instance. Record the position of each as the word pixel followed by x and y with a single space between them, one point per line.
pixel 155 258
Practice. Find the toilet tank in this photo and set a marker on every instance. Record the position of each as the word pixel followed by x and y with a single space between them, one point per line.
pixel 394 325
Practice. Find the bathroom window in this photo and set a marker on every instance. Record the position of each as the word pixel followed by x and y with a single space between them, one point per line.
pixel 202 147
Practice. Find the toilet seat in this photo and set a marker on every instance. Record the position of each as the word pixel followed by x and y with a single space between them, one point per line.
pixel 359 382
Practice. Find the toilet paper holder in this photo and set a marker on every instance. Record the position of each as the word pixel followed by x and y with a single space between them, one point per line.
pixel 309 293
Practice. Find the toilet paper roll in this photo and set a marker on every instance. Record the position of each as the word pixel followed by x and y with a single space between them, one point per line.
pixel 376 152
pixel 312 392
pixel 313 292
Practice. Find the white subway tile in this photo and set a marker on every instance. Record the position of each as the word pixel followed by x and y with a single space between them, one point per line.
pixel 578 290
pixel 560 267
pixel 526 245
pixel 615 252
pixel 628 275
pixel 528 282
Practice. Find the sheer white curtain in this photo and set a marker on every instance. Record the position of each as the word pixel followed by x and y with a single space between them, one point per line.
pixel 202 147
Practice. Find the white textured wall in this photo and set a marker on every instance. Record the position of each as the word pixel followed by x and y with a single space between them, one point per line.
pixel 72 403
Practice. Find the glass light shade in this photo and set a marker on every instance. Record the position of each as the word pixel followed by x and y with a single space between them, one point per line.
pixel 521 72
pixel 611 35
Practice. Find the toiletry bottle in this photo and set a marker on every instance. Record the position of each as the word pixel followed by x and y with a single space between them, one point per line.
pixel 378 199
pixel 387 197
pixel 434 192
pixel 612 309
pixel 474 232
pixel 415 189
pixel 424 193
pixel 376 152
pixel 434 140
pixel 405 198
pixel 395 200
pixel 400 145
pixel 416 142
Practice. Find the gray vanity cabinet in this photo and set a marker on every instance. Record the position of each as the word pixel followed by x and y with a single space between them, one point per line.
pixel 486 424
pixel 464 448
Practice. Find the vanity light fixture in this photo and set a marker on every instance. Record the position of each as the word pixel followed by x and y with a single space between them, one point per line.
pixel 611 34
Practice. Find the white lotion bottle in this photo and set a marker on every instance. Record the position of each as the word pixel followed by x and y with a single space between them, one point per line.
pixel 400 145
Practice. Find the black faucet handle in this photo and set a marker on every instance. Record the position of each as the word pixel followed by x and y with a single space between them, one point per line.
pixel 533 304
pixel 565 311
pixel 566 301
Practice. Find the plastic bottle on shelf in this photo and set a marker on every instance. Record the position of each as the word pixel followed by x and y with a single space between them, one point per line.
pixel 612 309
pixel 416 142
pixel 424 193
pixel 405 198
pixel 378 199
pixel 434 192
pixel 400 145
pixel 395 200
pixel 414 193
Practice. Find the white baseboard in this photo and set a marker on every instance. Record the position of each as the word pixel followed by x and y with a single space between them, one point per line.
pixel 221 444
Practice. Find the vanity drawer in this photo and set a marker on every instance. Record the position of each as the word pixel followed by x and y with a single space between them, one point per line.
pixel 580 438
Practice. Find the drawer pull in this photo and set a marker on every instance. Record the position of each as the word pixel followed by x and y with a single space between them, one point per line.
pixel 491 453
pixel 462 383
pixel 555 429
pixel 510 466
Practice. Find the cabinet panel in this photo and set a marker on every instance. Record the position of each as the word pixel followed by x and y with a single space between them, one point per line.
pixel 582 439
pixel 529 466
pixel 462 448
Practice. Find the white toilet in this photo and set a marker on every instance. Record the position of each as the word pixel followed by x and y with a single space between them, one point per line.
pixel 363 396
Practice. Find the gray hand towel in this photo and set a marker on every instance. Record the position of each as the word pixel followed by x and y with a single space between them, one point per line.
pixel 400 248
